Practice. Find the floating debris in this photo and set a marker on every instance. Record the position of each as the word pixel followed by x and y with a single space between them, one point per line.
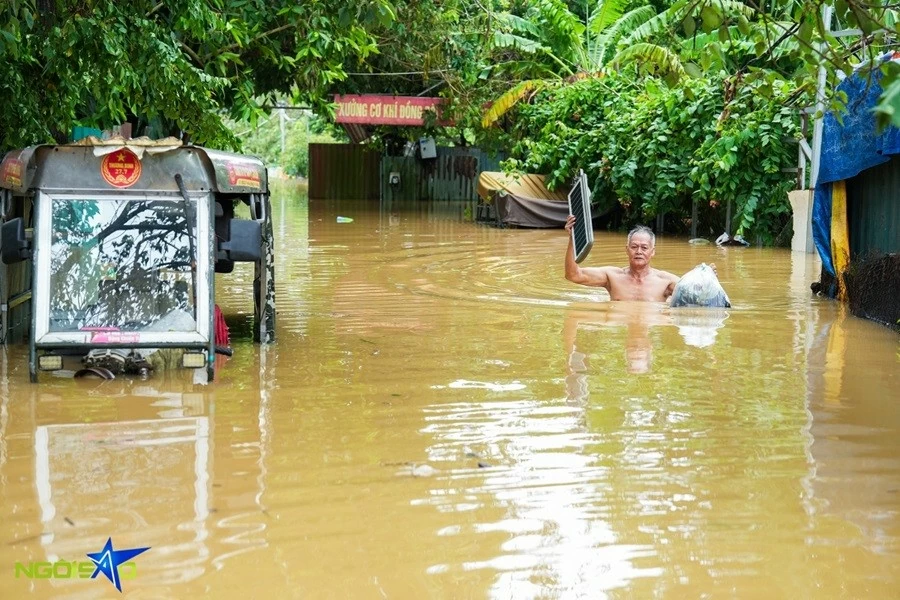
pixel 414 469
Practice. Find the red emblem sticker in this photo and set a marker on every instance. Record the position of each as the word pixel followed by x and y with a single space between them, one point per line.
pixel 12 173
pixel 121 168
pixel 243 175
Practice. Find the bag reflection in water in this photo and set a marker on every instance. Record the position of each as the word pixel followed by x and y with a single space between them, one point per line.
pixel 699 293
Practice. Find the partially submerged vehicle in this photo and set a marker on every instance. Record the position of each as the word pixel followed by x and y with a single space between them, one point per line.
pixel 110 250
pixel 524 200
pixel 520 201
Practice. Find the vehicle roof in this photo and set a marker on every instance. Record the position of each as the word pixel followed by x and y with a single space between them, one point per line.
pixel 142 165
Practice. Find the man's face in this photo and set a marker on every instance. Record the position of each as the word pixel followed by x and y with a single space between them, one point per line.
pixel 640 250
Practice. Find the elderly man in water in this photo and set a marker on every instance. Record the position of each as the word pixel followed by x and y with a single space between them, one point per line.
pixel 638 281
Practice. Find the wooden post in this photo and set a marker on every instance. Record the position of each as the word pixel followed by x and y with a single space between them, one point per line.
pixel 728 219
pixel 693 219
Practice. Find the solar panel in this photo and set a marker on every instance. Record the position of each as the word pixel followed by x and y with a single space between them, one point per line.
pixel 580 206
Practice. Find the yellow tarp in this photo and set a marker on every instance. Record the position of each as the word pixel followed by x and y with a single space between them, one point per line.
pixel 522 186
pixel 840 240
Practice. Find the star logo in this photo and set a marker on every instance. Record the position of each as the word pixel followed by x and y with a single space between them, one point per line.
pixel 107 561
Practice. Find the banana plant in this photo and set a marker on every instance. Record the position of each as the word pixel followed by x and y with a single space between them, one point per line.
pixel 563 48
pixel 559 45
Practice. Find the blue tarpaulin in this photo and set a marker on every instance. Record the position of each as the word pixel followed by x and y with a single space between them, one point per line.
pixel 848 149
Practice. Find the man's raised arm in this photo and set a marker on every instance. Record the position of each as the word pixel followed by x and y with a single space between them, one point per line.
pixel 574 273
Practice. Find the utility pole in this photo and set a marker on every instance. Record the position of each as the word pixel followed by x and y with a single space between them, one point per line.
pixel 281 118
pixel 827 11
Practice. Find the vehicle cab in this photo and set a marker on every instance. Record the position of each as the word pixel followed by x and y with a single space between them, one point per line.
pixel 110 249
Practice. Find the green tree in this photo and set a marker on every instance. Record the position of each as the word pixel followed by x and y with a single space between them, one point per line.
pixel 265 138
pixel 610 40
pixel 697 102
pixel 652 148
pixel 177 64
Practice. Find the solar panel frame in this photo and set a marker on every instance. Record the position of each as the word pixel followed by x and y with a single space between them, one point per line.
pixel 580 207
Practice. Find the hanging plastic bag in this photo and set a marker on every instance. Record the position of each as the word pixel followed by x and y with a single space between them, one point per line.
pixel 700 287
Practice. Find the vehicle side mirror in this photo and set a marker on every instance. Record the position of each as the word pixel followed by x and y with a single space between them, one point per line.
pixel 14 246
pixel 245 241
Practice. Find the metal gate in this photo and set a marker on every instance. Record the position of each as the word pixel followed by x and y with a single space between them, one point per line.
pixel 453 175
pixel 874 210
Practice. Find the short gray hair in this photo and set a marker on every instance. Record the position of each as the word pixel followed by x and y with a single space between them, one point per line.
pixel 642 229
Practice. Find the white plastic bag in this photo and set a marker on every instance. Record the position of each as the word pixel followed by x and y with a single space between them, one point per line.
pixel 700 287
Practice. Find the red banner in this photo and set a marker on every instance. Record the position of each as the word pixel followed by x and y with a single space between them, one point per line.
pixel 385 110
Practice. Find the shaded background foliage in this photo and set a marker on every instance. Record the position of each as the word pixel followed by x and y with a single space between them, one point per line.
pixel 173 67
pixel 655 149
pixel 266 137
pixel 663 102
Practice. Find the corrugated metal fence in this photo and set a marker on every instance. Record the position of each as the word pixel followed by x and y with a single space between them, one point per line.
pixel 453 175
pixel 874 210
pixel 351 172
pixel 343 172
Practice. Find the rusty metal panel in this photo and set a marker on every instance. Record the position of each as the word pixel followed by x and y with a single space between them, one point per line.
pixel 343 172
pixel 452 175
pixel 17 170
pixel 236 173
pixel 874 210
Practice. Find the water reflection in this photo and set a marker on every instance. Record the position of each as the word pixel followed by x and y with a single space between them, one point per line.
pixel 133 460
pixel 4 404
pixel 127 264
pixel 553 537
pixel 847 391
pixel 91 480
pixel 635 317
pixel 443 415
pixel 697 327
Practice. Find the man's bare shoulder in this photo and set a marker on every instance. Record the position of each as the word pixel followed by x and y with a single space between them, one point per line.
pixel 609 271
pixel 670 277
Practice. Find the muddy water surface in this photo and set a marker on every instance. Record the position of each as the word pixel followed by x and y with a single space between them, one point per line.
pixel 444 416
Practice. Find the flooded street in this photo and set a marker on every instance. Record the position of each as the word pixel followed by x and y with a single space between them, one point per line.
pixel 444 416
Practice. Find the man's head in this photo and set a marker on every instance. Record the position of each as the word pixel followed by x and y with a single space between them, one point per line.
pixel 641 246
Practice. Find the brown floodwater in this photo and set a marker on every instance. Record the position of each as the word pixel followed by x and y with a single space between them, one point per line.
pixel 444 416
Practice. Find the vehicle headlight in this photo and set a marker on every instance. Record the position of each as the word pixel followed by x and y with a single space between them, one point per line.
pixel 50 362
pixel 193 360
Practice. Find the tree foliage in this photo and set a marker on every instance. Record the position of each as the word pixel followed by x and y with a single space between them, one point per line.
pixel 265 139
pixel 654 149
pixel 697 100
pixel 509 69
pixel 174 64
